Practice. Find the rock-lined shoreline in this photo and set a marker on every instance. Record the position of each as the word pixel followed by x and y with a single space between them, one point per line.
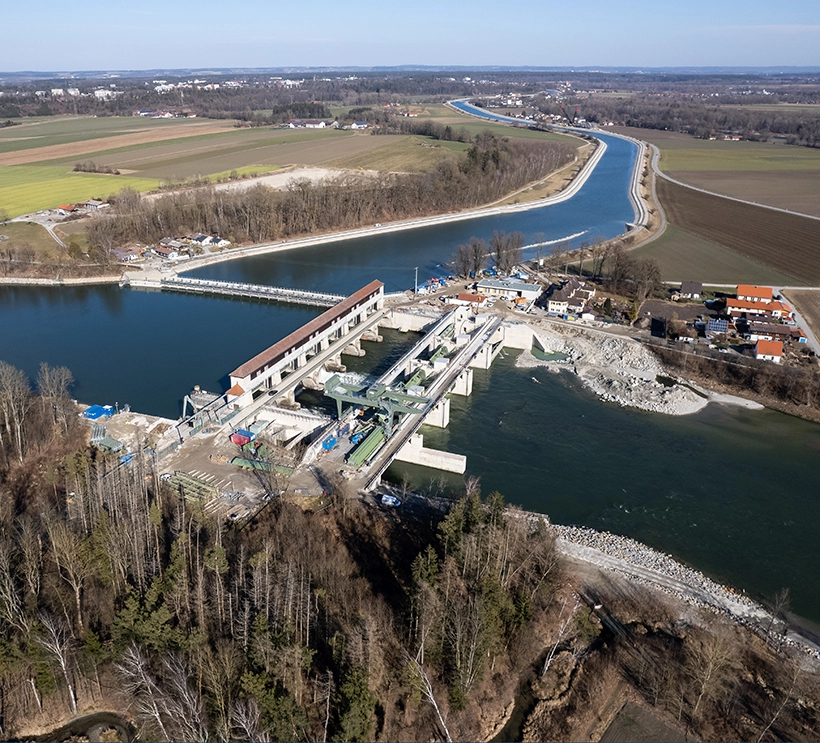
pixel 645 565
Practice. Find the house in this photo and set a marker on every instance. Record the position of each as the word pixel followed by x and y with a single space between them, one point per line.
pixel 691 289
pixel 571 297
pixel 359 125
pixel 754 293
pixel 126 255
pixel 95 204
pixel 769 351
pixel 314 124
pixel 166 253
pixel 509 289
pixel 65 209
pixel 220 242
pixel 746 307
pixel 202 240
pixel 772 332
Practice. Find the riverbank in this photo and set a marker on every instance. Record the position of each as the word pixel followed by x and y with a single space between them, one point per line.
pixel 81 281
pixel 619 369
pixel 646 566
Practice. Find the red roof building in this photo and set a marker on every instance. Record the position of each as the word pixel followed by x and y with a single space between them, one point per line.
pixel 754 293
pixel 769 350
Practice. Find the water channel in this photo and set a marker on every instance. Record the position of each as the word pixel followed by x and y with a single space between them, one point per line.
pixel 732 492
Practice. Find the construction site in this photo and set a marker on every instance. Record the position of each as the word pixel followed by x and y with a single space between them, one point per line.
pixel 233 452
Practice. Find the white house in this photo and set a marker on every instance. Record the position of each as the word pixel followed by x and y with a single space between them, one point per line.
pixel 769 350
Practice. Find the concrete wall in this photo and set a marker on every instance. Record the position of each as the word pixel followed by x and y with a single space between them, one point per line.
pixel 414 452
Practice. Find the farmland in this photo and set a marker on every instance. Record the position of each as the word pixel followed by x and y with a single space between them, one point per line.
pixel 409 154
pixel 787 243
pixel 21 146
pixel 766 173
pixel 39 155
pixel 807 304
pixel 29 188
pixel 683 256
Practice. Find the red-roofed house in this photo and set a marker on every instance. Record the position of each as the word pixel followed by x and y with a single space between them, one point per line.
pixel 769 351
pixel 754 293
pixel 738 307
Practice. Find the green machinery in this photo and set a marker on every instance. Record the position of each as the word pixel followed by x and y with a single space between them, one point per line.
pixel 389 401
pixel 367 448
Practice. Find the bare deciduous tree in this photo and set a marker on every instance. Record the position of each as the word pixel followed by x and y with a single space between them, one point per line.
pixel 57 640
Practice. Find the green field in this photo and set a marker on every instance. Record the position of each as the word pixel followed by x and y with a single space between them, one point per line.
pixel 761 172
pixel 683 256
pixel 744 156
pixel 403 154
pixel 30 188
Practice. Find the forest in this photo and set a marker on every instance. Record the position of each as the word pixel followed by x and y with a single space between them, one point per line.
pixel 491 168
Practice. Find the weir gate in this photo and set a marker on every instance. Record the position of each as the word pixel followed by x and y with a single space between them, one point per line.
pixel 376 421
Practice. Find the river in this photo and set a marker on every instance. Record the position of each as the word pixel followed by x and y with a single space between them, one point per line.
pixel 732 492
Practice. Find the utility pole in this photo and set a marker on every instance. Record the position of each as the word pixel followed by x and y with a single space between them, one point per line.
pixel 416 286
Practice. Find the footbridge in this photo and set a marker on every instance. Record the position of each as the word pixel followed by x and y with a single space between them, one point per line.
pixel 240 290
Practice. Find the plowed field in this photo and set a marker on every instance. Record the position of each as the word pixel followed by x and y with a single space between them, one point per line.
pixel 786 242
pixel 75 149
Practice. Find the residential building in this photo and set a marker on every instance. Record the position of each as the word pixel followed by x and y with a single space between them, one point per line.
pixel 746 307
pixel 754 293
pixel 691 289
pixel 769 351
pixel 569 298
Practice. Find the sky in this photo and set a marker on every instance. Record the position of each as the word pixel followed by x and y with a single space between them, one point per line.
pixel 50 35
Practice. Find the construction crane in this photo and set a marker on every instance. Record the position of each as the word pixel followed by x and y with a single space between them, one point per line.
pixel 566 115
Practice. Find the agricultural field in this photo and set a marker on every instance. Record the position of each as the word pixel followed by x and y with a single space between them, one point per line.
pixel 683 256
pixel 30 188
pixel 767 173
pixel 787 243
pixel 21 145
pixel 402 155
pixel 807 303
pixel 37 157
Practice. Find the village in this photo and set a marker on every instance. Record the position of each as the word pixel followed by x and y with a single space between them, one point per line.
pixel 754 321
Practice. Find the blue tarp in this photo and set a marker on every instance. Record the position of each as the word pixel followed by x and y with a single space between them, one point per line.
pixel 98 411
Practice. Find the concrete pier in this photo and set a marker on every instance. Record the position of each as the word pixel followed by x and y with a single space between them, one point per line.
pixel 414 452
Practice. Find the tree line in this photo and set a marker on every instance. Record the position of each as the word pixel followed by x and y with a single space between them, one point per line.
pixel 703 119
pixel 471 257
pixel 489 169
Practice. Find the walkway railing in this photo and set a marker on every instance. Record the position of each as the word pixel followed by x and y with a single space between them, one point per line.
pixel 252 291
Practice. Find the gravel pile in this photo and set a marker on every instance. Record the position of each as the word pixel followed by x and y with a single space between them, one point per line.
pixel 618 370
